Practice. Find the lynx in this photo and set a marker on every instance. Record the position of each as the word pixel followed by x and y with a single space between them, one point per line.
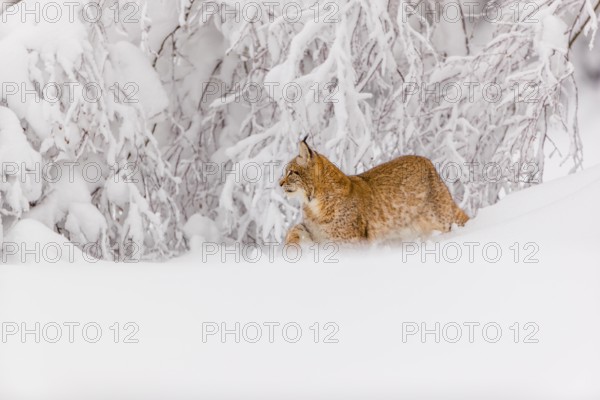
pixel 400 199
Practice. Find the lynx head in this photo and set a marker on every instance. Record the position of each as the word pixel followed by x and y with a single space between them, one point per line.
pixel 300 175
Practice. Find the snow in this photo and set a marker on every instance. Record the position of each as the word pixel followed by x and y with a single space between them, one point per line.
pixel 117 192
pixel 137 79
pixel 17 158
pixel 85 223
pixel 200 229
pixel 369 293
pixel 552 36
pixel 70 187
pixel 30 240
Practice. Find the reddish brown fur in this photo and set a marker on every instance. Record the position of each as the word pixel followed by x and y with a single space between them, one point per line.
pixel 402 198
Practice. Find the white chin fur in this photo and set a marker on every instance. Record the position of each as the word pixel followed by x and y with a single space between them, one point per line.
pixel 297 194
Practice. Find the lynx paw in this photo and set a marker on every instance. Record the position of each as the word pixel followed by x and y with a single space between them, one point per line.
pixel 297 234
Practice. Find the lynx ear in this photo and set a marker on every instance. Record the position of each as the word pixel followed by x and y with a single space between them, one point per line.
pixel 306 153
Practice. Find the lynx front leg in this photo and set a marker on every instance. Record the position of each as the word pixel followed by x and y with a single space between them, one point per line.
pixel 297 234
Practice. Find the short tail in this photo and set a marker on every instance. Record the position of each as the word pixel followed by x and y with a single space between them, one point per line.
pixel 460 218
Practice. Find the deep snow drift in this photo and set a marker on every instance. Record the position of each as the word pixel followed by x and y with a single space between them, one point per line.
pixel 377 302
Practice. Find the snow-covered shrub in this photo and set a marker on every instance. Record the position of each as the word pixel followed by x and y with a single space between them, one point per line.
pixel 86 97
pixel 201 103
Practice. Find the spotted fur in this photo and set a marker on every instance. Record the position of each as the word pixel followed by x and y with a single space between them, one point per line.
pixel 401 199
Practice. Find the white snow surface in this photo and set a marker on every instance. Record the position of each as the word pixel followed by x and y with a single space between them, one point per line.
pixel 369 294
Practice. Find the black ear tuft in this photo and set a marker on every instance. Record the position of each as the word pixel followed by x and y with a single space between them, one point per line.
pixel 305 152
pixel 307 146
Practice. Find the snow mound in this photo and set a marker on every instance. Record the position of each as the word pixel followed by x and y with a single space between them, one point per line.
pixel 542 295
pixel 200 229
pixel 31 242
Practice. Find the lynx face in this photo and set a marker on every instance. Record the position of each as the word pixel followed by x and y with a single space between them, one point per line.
pixel 298 179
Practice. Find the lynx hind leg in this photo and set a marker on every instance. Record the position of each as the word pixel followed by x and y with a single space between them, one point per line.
pixel 429 223
pixel 298 234
pixel 446 215
pixel 435 217
pixel 460 217
pixel 444 210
